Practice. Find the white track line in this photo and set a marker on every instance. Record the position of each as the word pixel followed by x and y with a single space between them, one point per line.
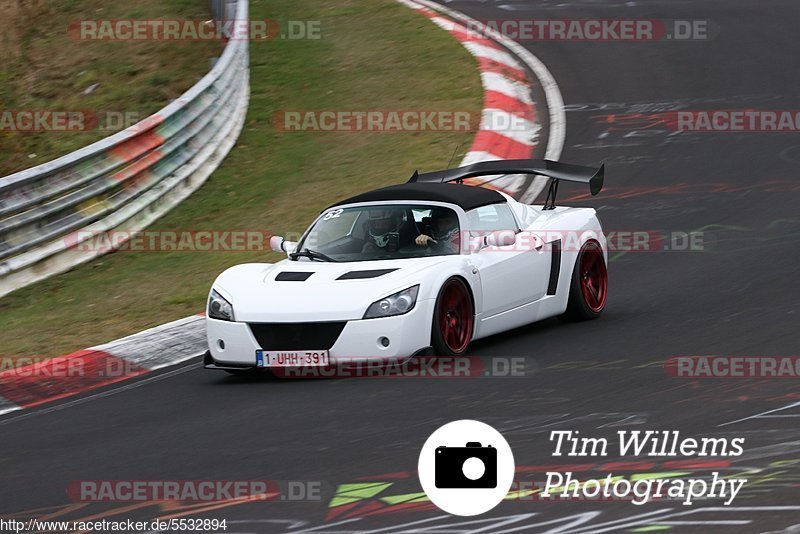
pixel 763 414
pixel 6 406
pixel 124 386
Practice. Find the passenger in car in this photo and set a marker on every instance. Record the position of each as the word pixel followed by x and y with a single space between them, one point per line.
pixel 444 232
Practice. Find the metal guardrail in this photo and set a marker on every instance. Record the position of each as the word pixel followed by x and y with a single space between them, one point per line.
pixel 126 181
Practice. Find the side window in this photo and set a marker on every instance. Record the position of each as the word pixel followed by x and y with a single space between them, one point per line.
pixel 491 218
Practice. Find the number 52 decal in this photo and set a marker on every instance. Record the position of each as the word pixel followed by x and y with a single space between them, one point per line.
pixel 332 214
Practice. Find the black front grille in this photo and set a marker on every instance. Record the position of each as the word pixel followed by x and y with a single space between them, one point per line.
pixel 296 336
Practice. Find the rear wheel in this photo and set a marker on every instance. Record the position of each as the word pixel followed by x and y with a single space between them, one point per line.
pixel 453 319
pixel 589 286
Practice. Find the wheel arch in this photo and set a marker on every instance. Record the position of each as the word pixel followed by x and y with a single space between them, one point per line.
pixel 470 280
pixel 470 290
pixel 585 226
pixel 465 282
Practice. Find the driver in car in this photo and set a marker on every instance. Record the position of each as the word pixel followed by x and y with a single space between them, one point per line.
pixel 383 231
pixel 444 230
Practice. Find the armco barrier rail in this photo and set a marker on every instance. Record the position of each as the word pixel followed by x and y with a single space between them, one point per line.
pixel 127 180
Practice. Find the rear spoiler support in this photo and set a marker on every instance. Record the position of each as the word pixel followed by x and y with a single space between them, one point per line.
pixel 550 199
pixel 554 170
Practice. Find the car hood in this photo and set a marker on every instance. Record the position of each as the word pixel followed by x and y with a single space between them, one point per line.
pixel 290 291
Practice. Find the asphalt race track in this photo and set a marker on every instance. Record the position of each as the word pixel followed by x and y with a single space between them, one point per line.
pixel 736 297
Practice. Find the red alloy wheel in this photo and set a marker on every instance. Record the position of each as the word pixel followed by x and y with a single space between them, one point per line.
pixel 454 316
pixel 593 277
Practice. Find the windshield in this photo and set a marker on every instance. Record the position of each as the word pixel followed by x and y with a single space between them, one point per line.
pixel 380 232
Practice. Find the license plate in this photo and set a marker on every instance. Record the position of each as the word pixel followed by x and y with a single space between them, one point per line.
pixel 291 358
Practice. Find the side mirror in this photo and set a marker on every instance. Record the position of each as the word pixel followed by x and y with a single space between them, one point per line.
pixel 279 244
pixel 499 238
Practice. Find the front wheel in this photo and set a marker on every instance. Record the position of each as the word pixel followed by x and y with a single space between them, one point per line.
pixel 453 319
pixel 589 285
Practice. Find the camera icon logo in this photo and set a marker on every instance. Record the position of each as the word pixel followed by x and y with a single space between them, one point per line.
pixel 472 466
pixel 466 467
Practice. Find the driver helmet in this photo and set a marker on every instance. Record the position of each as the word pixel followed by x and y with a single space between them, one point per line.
pixel 383 227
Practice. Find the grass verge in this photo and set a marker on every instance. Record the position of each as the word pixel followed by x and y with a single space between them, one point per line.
pixel 372 55
pixel 45 67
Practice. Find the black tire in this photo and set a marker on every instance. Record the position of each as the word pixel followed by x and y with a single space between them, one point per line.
pixel 453 305
pixel 590 272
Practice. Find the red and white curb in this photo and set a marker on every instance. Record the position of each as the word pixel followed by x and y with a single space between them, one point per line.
pixel 95 367
pixel 507 99
pixel 507 92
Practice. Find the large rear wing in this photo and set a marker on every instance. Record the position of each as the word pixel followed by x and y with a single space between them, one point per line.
pixel 554 170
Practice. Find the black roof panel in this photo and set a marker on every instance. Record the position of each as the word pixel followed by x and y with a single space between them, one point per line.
pixel 466 196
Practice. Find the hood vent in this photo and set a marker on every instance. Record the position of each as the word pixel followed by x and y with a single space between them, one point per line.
pixel 360 275
pixel 289 276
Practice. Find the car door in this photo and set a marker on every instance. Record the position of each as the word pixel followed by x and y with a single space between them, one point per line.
pixel 513 275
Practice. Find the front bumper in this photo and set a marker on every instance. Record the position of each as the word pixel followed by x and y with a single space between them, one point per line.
pixel 233 344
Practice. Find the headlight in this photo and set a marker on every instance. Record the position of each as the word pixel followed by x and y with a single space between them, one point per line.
pixel 397 304
pixel 219 308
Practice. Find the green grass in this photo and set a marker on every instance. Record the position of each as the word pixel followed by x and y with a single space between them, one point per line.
pixel 372 55
pixel 43 67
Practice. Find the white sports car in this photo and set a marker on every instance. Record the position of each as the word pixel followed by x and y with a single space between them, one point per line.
pixel 429 265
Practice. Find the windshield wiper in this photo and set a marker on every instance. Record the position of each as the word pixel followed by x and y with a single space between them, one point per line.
pixel 311 254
